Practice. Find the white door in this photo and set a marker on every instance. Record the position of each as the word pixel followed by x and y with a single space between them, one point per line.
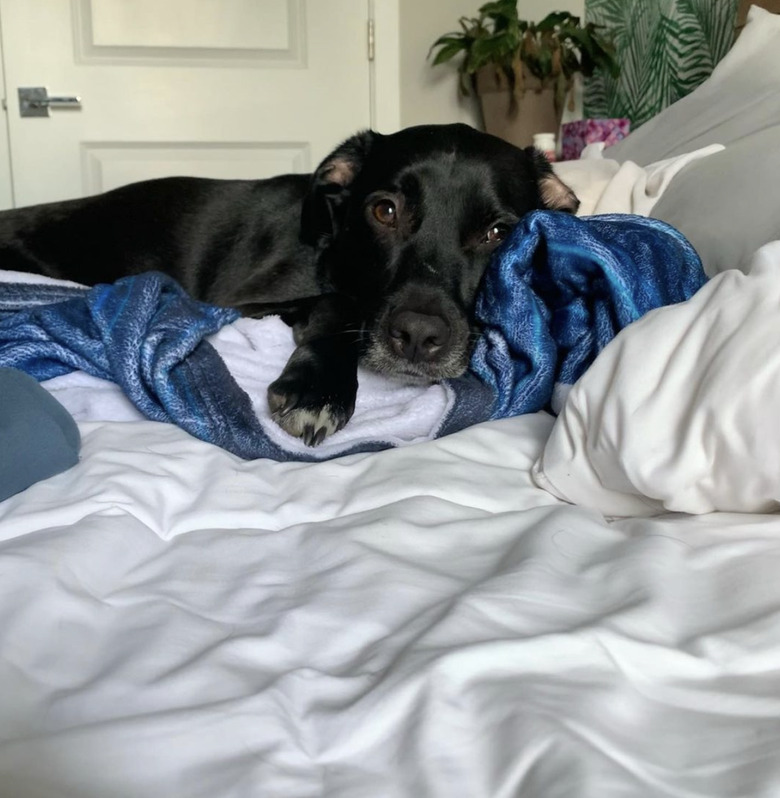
pixel 216 88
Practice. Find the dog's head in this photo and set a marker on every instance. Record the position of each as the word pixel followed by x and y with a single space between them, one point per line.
pixel 406 224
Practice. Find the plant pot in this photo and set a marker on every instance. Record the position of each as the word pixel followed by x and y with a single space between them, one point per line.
pixel 516 116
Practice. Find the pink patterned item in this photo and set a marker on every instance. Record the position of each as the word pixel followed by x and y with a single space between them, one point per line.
pixel 576 135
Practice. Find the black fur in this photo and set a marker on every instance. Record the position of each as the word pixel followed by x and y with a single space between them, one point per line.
pixel 375 257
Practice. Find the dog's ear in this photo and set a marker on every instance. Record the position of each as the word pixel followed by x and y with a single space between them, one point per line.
pixel 330 188
pixel 554 194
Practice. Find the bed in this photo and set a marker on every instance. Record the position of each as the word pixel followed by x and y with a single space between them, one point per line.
pixel 582 605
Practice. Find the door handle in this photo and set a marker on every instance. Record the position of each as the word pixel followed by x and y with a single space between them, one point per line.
pixel 35 101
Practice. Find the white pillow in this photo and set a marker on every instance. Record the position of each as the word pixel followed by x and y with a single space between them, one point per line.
pixel 681 411
pixel 741 96
pixel 605 186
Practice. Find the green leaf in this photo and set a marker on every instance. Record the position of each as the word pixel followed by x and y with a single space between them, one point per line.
pixel 545 63
pixel 448 51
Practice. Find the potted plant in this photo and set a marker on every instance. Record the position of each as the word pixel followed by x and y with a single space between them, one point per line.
pixel 523 71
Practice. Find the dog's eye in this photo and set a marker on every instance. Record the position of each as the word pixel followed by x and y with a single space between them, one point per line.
pixel 496 233
pixel 385 212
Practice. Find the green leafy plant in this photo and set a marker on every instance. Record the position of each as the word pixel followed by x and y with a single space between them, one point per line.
pixel 552 50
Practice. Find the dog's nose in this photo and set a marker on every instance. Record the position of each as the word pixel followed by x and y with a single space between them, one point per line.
pixel 418 337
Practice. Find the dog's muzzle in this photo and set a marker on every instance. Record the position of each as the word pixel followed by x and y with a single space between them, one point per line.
pixel 419 338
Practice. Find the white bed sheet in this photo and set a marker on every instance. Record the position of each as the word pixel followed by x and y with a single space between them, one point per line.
pixel 424 621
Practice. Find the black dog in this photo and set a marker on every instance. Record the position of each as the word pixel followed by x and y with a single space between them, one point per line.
pixel 377 256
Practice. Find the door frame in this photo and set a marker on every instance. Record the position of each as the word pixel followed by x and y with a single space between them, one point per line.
pixel 384 92
pixel 6 180
pixel 385 69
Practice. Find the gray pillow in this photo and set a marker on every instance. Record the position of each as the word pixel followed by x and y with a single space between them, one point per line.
pixel 741 96
pixel 728 204
pixel 38 437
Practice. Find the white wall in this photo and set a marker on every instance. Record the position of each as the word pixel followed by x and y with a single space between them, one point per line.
pixel 428 94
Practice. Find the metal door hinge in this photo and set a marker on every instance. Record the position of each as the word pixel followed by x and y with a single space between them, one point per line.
pixel 371 39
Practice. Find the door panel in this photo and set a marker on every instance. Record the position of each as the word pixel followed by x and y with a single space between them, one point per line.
pixel 218 88
pixel 213 32
pixel 218 24
pixel 108 166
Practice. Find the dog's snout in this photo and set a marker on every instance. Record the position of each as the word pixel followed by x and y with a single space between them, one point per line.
pixel 418 337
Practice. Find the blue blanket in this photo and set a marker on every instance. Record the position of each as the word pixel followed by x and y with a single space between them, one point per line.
pixel 559 289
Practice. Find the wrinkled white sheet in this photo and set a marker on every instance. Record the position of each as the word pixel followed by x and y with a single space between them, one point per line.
pixel 680 410
pixel 421 622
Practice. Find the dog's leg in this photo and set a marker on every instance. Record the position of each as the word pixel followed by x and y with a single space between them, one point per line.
pixel 315 394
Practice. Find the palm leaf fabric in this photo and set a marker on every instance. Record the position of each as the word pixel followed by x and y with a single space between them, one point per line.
pixel 665 48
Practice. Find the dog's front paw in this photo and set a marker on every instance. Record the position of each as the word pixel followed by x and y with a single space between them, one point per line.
pixel 314 397
pixel 310 422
